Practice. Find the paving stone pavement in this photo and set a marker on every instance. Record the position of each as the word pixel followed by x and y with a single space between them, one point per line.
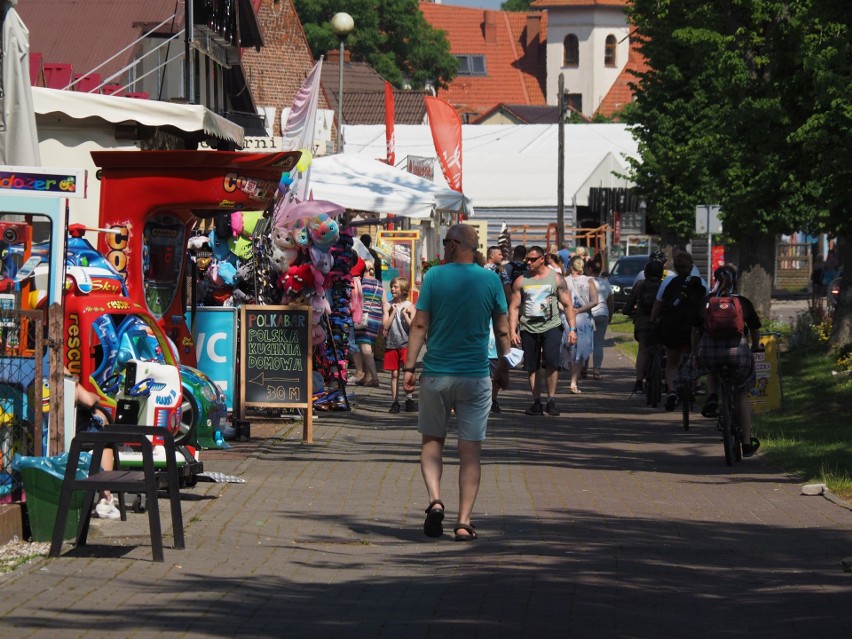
pixel 608 521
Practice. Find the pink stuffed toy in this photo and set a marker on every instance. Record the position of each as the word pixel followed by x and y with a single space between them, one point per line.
pixel 318 335
pixel 236 223
pixel 320 306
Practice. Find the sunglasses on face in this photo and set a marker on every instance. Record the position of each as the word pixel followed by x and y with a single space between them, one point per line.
pixel 530 260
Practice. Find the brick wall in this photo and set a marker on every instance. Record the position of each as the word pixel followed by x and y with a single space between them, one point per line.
pixel 277 71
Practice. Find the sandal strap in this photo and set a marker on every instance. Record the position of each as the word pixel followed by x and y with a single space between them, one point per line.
pixel 469 529
pixel 433 504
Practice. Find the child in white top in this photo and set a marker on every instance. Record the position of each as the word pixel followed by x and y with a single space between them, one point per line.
pixel 396 323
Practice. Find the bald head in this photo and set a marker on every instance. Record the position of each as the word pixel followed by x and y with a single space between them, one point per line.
pixel 461 243
pixel 465 234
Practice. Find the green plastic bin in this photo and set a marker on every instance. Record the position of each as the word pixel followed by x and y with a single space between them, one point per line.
pixel 42 479
pixel 43 490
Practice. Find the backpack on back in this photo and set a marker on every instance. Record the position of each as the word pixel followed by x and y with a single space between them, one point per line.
pixel 723 316
pixel 514 270
pixel 648 295
pixel 681 300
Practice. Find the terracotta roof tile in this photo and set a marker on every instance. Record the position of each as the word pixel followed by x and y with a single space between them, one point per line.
pixel 364 95
pixel 514 63
pixel 525 114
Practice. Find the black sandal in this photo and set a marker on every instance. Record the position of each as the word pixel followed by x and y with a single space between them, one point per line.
pixel 434 516
pixel 471 533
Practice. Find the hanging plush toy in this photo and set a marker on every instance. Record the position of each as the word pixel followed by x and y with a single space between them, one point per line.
pixel 284 249
pixel 282 260
pixel 320 307
pixel 298 280
pixel 236 223
pixel 324 231
pixel 284 183
pixel 317 335
pixel 321 260
pixel 302 232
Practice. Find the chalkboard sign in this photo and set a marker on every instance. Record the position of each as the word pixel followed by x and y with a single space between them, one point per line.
pixel 276 358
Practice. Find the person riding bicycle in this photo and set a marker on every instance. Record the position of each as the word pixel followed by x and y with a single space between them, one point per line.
pixel 639 306
pixel 677 305
pixel 714 349
pixel 656 256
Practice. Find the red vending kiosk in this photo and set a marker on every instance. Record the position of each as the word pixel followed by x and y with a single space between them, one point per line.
pixel 155 198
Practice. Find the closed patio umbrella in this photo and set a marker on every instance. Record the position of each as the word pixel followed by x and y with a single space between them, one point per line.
pixel 18 136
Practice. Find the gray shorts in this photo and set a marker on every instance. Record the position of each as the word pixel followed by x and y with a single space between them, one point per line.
pixel 469 396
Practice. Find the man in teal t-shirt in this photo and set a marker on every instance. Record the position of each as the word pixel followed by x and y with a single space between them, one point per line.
pixel 457 303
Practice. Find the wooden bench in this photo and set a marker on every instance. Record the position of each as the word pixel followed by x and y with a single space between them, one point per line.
pixel 143 481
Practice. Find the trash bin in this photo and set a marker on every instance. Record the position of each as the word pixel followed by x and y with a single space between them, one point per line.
pixel 43 478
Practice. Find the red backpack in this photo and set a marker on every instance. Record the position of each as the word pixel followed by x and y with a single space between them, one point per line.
pixel 723 316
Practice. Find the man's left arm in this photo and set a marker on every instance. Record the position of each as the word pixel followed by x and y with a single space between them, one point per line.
pixel 504 344
pixel 416 338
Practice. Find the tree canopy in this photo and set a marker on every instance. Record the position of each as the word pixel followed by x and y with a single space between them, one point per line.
pixel 517 5
pixel 392 36
pixel 746 105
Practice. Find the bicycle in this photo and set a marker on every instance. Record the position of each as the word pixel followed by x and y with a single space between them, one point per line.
pixel 728 424
pixel 686 394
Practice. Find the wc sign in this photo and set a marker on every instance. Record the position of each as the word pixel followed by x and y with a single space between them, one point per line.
pixel 216 347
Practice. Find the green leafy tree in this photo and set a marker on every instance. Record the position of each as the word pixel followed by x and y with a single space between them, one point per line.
pixel 825 136
pixel 517 5
pixel 713 119
pixel 392 36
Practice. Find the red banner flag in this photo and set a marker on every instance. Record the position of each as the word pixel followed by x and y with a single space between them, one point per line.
pixel 390 134
pixel 447 136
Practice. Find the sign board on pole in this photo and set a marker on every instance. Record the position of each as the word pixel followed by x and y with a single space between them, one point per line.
pixel 37 181
pixel 481 227
pixel 707 217
pixel 276 359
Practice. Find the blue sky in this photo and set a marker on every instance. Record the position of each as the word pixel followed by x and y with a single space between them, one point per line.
pixel 485 4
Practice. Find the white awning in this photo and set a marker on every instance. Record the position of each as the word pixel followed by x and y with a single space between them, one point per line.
pixel 363 184
pixel 117 110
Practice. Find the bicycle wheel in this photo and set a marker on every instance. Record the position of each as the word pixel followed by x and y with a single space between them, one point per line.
pixel 738 448
pixel 726 426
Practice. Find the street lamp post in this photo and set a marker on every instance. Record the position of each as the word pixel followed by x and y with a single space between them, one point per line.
pixel 342 25
pixel 560 178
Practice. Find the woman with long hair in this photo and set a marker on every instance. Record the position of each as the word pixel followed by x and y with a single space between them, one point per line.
pixel 584 295
pixel 374 306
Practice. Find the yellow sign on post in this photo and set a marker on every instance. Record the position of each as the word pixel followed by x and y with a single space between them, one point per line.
pixel 400 247
pixel 481 227
pixel 766 395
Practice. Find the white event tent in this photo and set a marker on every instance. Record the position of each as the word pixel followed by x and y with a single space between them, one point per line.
pixel 515 166
pixel 360 183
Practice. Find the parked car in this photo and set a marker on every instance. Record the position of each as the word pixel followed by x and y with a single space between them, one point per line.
pixel 622 275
